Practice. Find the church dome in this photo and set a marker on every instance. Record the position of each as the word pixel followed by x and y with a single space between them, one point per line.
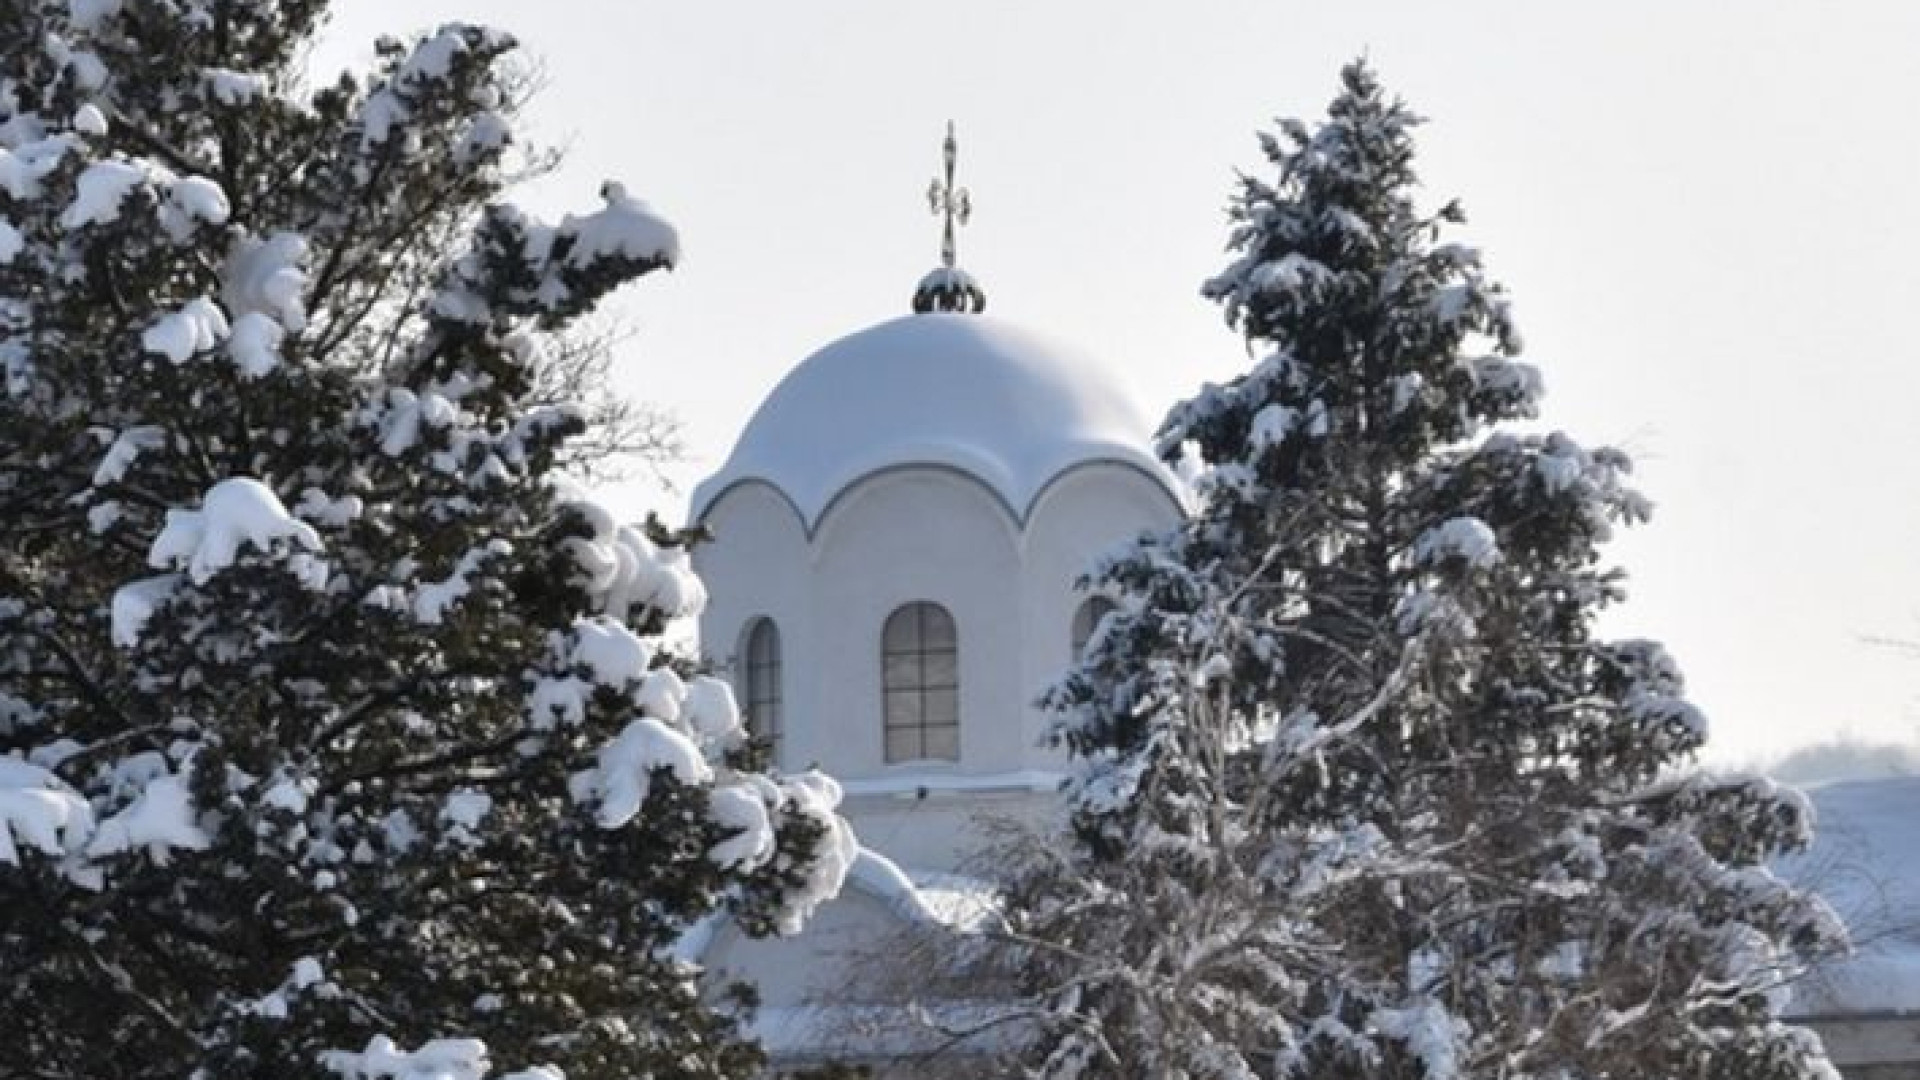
pixel 1012 409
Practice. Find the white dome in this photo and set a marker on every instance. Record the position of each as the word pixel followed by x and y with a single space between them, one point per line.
pixel 967 392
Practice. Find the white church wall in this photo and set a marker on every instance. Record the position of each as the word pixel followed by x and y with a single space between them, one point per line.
pixel 758 564
pixel 899 536
pixel 947 831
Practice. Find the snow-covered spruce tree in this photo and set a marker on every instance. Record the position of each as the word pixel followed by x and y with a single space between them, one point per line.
pixel 335 736
pixel 1360 793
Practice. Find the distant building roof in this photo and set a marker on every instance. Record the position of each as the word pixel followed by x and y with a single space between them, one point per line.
pixel 1865 860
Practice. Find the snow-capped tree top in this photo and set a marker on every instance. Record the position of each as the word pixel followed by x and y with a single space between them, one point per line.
pixel 1361 789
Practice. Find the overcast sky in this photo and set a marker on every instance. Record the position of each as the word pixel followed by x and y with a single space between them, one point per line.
pixel 1706 213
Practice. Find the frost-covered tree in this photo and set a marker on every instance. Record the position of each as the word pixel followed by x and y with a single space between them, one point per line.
pixel 336 737
pixel 1360 791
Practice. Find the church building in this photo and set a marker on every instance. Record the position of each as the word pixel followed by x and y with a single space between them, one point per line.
pixel 897 541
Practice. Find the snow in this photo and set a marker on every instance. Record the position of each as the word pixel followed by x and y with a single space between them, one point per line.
pixel 236 512
pixel 438 1059
pixel 254 344
pixel 433 599
pixel 711 711
pixel 625 772
pixel 1452 302
pixel 1497 373
pixel 399 831
pixel 159 819
pixel 264 276
pixel 23 167
pixel 462 812
pixel 925 898
pixel 1289 273
pixel 660 694
pixel 958 902
pixel 289 794
pixel 317 507
pixel 192 201
pixel 382 112
pixel 1865 861
pixel 626 228
pixel 1271 425
pixel 99 193
pixel 433 57
pixel 40 811
pixel 134 603
pixel 11 242
pixel 306 973
pixel 614 654
pixel 555 701
pixel 1561 463
pixel 126 449
pixel 88 14
pixel 1465 538
pixel 230 87
pixel 197 327
pixel 816 795
pixel 1430 1033
pixel 967 392
pixel 485 134
pixel 743 809
pixel 406 413
pixel 622 569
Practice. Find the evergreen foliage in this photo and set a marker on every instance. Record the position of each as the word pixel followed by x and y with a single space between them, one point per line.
pixel 335 735
pixel 1359 790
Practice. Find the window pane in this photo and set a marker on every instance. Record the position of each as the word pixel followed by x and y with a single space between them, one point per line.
pixel 759 680
pixel 942 669
pixel 903 744
pixel 904 710
pixel 943 743
pixel 942 707
pixel 900 672
pixel 919 675
pixel 902 634
pixel 936 627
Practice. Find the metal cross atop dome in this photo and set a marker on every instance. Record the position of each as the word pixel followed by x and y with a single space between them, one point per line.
pixel 949 288
pixel 952 203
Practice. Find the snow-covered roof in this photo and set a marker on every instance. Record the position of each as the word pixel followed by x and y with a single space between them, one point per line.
pixel 980 395
pixel 1865 860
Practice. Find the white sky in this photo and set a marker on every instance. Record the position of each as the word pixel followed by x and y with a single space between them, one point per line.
pixel 1707 218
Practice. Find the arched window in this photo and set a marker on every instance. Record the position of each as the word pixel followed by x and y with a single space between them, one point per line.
pixel 920 684
pixel 1087 620
pixel 760 680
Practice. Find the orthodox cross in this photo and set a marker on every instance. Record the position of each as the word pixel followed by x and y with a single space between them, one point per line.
pixel 949 202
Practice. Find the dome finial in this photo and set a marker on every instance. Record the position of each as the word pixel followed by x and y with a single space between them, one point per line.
pixel 949 288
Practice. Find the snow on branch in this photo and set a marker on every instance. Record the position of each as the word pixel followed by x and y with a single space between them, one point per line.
pixel 38 810
pixel 237 512
pixel 437 1059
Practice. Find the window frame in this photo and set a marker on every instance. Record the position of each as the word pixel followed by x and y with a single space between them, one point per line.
pixel 919 685
pixel 761 686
